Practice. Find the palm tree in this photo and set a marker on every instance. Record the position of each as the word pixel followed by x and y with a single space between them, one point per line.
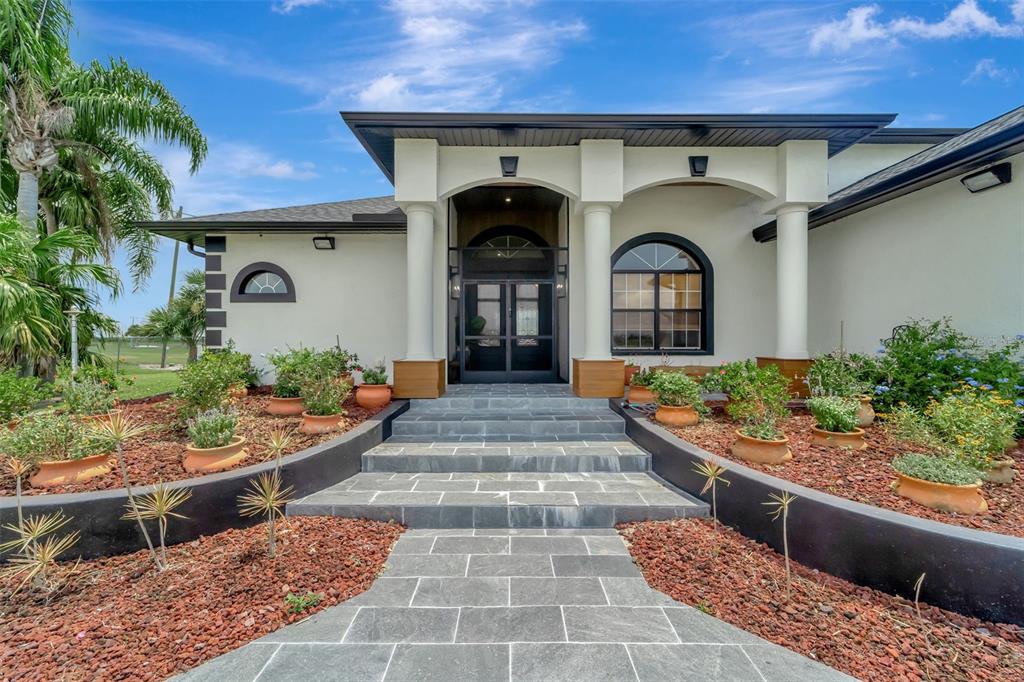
pixel 184 318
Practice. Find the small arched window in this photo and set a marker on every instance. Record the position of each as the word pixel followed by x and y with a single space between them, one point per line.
pixel 265 282
pixel 661 297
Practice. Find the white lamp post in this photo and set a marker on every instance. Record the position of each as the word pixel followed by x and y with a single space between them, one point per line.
pixel 73 312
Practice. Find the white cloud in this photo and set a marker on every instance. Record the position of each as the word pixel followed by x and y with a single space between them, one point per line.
pixel 863 25
pixel 988 69
pixel 288 6
pixel 245 160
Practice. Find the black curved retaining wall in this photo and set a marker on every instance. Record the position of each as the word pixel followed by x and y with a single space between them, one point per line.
pixel 970 571
pixel 212 507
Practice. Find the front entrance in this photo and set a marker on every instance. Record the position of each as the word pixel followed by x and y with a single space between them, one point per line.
pixel 508 331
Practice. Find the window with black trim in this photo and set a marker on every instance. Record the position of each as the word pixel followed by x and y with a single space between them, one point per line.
pixel 266 282
pixel 661 296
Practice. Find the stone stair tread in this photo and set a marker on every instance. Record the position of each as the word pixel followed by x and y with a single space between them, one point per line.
pixel 491 456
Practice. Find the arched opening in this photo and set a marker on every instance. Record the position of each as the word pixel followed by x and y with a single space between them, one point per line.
pixel 508 266
pixel 264 283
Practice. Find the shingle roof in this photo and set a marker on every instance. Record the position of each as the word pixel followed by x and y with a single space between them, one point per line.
pixel 329 212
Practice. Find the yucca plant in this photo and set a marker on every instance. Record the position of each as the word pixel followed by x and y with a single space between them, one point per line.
pixel 36 558
pixel 160 505
pixel 780 509
pixel 19 470
pixel 277 444
pixel 117 429
pixel 266 497
pixel 713 474
pixel 33 529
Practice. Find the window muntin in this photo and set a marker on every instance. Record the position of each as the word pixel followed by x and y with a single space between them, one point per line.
pixel 658 299
pixel 266 283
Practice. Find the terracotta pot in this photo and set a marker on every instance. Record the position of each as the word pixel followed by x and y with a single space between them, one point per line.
pixel 206 460
pixel 630 371
pixel 640 395
pixel 854 440
pixel 315 423
pixel 677 416
pixel 865 412
pixel 97 419
pixel 762 451
pixel 1001 471
pixel 372 396
pixel 285 407
pixel 50 474
pixel 962 499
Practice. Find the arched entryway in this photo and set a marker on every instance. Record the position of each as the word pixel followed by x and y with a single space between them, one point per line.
pixel 507 266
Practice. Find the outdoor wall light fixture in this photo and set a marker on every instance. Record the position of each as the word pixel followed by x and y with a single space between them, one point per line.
pixel 509 166
pixel 454 282
pixel 560 286
pixel 988 178
pixel 698 166
pixel 323 243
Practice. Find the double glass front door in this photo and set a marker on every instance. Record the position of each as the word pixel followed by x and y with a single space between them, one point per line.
pixel 507 330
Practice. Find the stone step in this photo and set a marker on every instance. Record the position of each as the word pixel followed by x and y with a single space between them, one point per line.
pixel 491 423
pixel 490 456
pixel 506 403
pixel 501 500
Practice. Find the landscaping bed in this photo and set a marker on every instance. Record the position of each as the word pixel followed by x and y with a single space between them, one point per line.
pixel 157 455
pixel 865 475
pixel 119 618
pixel 865 633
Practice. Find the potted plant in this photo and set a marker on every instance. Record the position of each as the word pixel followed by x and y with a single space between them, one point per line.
pixel 323 397
pixel 88 400
pixel 340 362
pixel 60 447
pixel 18 395
pixel 640 392
pixel 942 483
pixel 290 367
pixel 837 422
pixel 631 369
pixel 374 392
pixel 680 402
pixel 214 445
pixel 838 374
pixel 757 399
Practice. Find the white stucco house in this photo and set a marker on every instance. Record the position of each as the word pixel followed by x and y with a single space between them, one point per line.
pixel 551 248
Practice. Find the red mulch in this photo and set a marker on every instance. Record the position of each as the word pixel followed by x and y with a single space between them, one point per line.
pixel 865 475
pixel 121 619
pixel 863 632
pixel 157 455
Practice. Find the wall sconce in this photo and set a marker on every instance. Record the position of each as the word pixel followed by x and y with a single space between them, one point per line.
pixel 454 283
pixel 509 166
pixel 561 288
pixel 988 178
pixel 698 166
pixel 323 243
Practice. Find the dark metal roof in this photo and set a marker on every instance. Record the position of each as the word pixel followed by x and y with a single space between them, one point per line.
pixel 990 142
pixel 912 135
pixel 377 131
pixel 370 215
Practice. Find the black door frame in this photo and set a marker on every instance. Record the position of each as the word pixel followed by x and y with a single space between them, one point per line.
pixel 509 335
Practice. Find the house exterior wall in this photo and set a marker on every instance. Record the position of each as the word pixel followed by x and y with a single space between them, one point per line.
pixel 861 160
pixel 940 251
pixel 355 293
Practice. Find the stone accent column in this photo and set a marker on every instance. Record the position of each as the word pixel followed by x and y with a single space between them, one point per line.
pixel 419 344
pixel 597 236
pixel 791 283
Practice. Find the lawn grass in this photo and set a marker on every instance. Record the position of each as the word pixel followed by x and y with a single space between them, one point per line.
pixel 147 381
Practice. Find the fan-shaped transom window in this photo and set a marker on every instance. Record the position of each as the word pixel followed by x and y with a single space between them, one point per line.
pixel 509 246
pixel 265 283
pixel 660 297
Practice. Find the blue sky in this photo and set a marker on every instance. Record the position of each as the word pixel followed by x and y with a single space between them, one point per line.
pixel 265 80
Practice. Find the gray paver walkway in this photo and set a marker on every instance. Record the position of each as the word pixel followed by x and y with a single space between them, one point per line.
pixel 510 605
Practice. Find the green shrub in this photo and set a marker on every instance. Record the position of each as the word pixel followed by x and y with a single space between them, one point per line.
pixel 87 397
pixel 724 378
pixel 757 398
pixel 94 370
pixel 676 389
pixel 18 395
pixel 643 378
pixel 297 603
pixel 52 436
pixel 936 469
pixel 213 428
pixel 834 413
pixel 237 365
pixel 290 368
pixel 376 375
pixel 338 361
pixel 324 395
pixel 838 374
pixel 206 384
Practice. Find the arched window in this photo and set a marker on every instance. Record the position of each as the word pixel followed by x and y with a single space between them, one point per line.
pixel 661 296
pixel 265 282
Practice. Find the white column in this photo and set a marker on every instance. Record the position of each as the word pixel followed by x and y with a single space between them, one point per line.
pixel 791 283
pixel 597 244
pixel 419 257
